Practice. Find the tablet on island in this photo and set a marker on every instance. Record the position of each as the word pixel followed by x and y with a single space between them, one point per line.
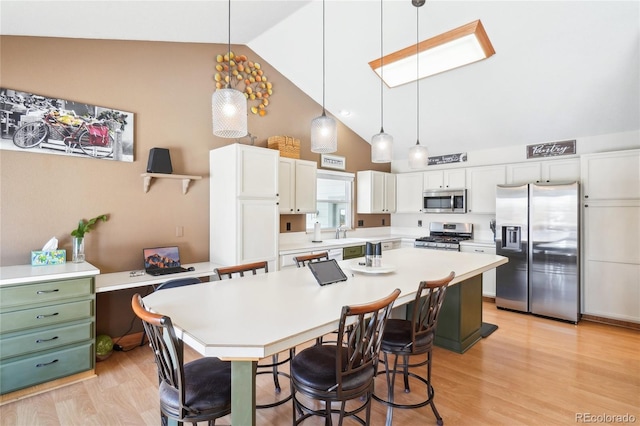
pixel 327 271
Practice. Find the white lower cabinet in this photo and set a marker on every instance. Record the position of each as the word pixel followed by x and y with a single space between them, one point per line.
pixel 489 277
pixel 391 245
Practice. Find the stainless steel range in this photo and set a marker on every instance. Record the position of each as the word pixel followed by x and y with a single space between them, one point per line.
pixel 445 236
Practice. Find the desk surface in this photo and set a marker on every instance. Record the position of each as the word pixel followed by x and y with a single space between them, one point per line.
pixel 257 316
pixel 122 280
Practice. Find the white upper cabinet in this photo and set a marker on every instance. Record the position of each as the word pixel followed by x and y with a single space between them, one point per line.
pixel 481 188
pixel 611 176
pixel 544 171
pixel 297 186
pixel 409 192
pixel 376 192
pixel 445 179
pixel 257 171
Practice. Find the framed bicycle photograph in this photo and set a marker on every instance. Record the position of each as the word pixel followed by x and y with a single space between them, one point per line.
pixel 45 125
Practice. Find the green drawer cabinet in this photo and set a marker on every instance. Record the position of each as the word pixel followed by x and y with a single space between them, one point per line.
pixel 45 338
pixel 352 252
pixel 47 326
pixel 44 293
pixel 43 367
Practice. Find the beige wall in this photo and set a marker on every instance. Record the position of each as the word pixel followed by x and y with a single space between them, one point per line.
pixel 168 86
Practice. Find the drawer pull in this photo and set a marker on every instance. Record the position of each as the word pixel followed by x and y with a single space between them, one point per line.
pixel 47 291
pixel 46 340
pixel 46 315
pixel 44 364
pixel 479 250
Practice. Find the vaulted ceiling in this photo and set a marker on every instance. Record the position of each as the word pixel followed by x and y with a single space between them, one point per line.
pixel 562 69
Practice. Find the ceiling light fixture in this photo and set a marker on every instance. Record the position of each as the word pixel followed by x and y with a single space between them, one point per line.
pixel 229 106
pixel 324 130
pixel 381 143
pixel 418 154
pixel 452 49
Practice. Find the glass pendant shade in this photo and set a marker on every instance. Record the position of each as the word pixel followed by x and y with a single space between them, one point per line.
pixel 324 135
pixel 229 113
pixel 418 156
pixel 381 147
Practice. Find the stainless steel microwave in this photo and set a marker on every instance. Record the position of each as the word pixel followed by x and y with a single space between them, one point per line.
pixel 444 201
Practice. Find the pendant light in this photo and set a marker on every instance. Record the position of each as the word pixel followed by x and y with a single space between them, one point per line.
pixel 418 154
pixel 228 105
pixel 381 143
pixel 324 130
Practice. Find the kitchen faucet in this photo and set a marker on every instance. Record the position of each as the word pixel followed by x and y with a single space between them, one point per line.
pixel 344 232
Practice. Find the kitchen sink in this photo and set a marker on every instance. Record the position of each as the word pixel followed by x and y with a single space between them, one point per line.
pixel 346 241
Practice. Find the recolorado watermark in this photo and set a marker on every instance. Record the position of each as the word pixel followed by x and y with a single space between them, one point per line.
pixel 605 418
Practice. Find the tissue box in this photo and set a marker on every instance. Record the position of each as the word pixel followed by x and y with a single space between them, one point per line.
pixel 54 257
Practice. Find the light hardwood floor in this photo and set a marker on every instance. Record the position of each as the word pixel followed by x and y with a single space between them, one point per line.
pixel 531 371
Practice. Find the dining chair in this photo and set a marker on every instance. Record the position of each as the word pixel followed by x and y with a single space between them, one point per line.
pixel 303 258
pixel 263 367
pixel 194 392
pixel 344 371
pixel 410 337
pixel 176 282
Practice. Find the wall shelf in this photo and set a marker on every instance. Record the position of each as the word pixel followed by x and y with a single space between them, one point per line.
pixel 186 179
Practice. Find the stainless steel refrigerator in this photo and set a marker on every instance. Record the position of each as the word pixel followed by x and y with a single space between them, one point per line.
pixel 537 229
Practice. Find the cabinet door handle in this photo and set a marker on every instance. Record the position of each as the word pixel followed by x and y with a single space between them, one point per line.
pixel 46 315
pixel 47 291
pixel 479 250
pixel 44 364
pixel 46 340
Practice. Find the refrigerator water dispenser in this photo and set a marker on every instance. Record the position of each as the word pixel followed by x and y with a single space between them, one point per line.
pixel 511 237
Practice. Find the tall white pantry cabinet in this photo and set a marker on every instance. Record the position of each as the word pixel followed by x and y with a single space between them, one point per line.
pixel 611 214
pixel 243 205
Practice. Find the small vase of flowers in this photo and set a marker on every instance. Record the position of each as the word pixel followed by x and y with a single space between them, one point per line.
pixel 78 236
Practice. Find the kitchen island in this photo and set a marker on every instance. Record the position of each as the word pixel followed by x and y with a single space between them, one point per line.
pixel 244 320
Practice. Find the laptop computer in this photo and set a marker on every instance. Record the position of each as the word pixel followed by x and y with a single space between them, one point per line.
pixel 327 271
pixel 162 260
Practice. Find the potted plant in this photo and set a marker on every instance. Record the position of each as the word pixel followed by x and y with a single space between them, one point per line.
pixel 78 236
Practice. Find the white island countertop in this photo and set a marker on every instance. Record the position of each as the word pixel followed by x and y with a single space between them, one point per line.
pixel 292 307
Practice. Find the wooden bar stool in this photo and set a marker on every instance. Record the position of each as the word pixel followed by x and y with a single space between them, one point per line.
pixel 415 336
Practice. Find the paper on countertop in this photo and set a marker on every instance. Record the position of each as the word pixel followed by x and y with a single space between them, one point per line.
pixel 51 245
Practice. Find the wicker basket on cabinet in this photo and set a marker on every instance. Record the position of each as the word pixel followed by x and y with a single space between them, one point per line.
pixel 288 146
